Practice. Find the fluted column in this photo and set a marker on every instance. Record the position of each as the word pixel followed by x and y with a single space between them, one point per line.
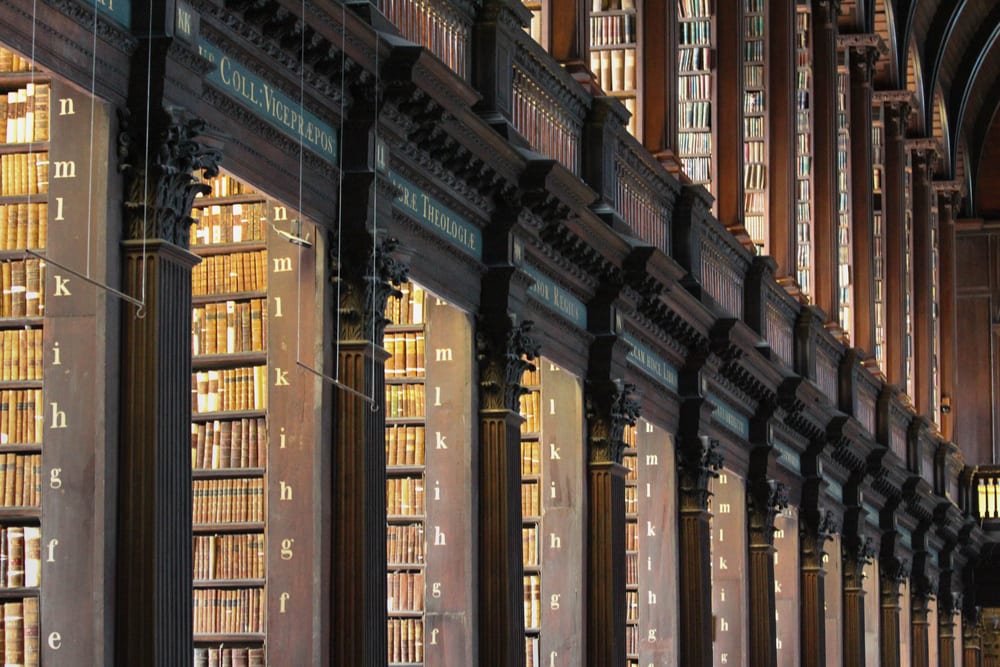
pixel 154 602
pixel 765 498
pixel 896 115
pixel 919 624
pixel 892 573
pixel 972 638
pixel 857 551
pixel 923 299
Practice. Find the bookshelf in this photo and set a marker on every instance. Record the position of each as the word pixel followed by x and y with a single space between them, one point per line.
pixel 614 53
pixel 935 324
pixel 696 90
pixel 531 512
pixel 539 19
pixel 24 104
pixel 405 375
pixel 804 238
pixel 755 76
pixel 909 352
pixel 878 232
pixel 229 426
pixel 552 520
pixel 845 300
pixel 631 461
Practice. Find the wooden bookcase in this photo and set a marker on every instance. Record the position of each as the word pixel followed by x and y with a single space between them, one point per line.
pixel 845 300
pixel 878 232
pixel 615 54
pixel 552 517
pixel 696 90
pixel 805 248
pixel 539 21
pixel 755 123
pixel 631 461
pixel 405 438
pixel 229 425
pixel 24 105
pixel 935 324
pixel 909 351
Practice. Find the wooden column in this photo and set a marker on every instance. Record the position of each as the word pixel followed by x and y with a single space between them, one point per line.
pixel 949 199
pixel 892 573
pixel 972 638
pixel 727 182
pixel 154 601
pixel 659 81
pixel 856 552
pixel 766 498
pixel 946 638
pixel 697 463
pixel 781 148
pixel 502 344
pixel 919 626
pixel 864 53
pixel 893 207
pixel 824 29
pixel 568 39
pixel 816 527
pixel 922 297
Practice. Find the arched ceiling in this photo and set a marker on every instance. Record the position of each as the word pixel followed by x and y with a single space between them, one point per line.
pixel 958 44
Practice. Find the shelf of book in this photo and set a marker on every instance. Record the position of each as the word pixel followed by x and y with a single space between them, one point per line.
pixel 615 53
pixel 631 461
pixel 845 297
pixel 755 135
pixel 909 353
pixel 536 27
pixel 696 90
pixel 229 344
pixel 24 159
pixel 405 444
pixel 531 511
pixel 228 657
pixel 878 232
pixel 935 314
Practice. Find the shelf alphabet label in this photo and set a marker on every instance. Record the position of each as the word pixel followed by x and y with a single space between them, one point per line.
pixel 56 354
pixel 51 547
pixel 555 542
pixel 66 106
pixel 554 601
pixel 440 440
pixel 55 481
pixel 58 416
pixel 280 377
pixel 55 641
pixel 554 452
pixel 437 397
pixel 552 658
pixel 282 264
pixel 443 354
pixel 552 489
pixel 434 636
pixel 286 548
pixel 282 599
pixel 439 538
pixel 282 438
pixel 437 490
pixel 279 213
pixel 650 531
pixel 64 169
pixel 286 491
pixel 61 289
pixel 436 589
pixel 59 210
pixel 651 636
pixel 277 307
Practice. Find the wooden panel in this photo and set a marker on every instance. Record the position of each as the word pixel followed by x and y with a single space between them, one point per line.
pixel 974 431
pixel 872 614
pixel 786 586
pixel 729 563
pixel 833 594
pixel 972 257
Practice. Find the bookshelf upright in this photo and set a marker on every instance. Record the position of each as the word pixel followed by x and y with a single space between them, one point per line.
pixel 878 231
pixel 531 511
pixel 909 352
pixel 696 90
pixel 631 461
pixel 804 236
pixel 845 300
pixel 614 53
pixel 755 125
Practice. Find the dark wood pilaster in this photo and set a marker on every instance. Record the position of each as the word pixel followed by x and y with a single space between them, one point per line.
pixel 697 463
pixel 892 573
pixel 856 551
pixel 815 530
pixel 154 560
pixel 923 305
pixel 972 638
pixel 824 30
pixel 568 42
pixel 659 81
pixel 863 57
pixel 896 114
pixel 946 638
pixel 781 144
pixel 949 199
pixel 727 183
pixel 919 625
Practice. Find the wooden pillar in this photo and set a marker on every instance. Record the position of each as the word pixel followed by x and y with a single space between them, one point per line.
pixel 919 625
pixel 766 499
pixel 781 107
pixel 727 183
pixel 946 638
pixel 856 552
pixel 154 560
pixel 864 53
pixel 972 638
pixel 659 81
pixel 697 463
pixel 892 573
pixel 923 305
pixel 893 206
pixel 816 527
pixel 568 39
pixel 824 30
pixel 949 199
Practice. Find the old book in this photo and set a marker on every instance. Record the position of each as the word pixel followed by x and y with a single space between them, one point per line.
pixel 32 632
pixel 32 555
pixel 13 630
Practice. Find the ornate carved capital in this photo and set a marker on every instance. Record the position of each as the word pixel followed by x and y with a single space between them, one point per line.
pixel 610 407
pixel 364 293
pixel 503 358
pixel 765 500
pixel 698 462
pixel 894 569
pixel 160 178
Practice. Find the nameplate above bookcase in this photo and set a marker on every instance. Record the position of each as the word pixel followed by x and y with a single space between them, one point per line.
pixel 119 10
pixel 557 298
pixel 729 418
pixel 436 216
pixel 652 364
pixel 266 101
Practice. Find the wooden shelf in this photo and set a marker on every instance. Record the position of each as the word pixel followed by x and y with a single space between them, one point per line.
pixel 206 200
pixel 229 583
pixel 34 147
pixel 232 638
pixel 231 527
pixel 21 322
pixel 18 592
pixel 225 473
pixel 227 416
pixel 20 513
pixel 18 79
pixel 202 299
pixel 21 448
pixel 205 362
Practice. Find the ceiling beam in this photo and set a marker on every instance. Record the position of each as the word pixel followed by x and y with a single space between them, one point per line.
pixel 968 71
pixel 935 46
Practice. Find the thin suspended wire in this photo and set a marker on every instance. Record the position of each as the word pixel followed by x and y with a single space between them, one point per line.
pixel 302 103
pixel 375 316
pixel 340 189
pixel 145 181
pixel 93 107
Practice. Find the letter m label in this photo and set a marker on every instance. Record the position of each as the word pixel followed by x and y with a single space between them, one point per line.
pixel 64 169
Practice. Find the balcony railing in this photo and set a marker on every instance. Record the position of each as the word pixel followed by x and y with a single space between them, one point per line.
pixel 645 193
pixel 436 25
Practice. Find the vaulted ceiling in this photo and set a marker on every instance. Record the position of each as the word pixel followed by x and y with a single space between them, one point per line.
pixel 947 53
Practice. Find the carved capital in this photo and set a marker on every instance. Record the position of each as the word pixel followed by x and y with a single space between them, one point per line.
pixel 698 463
pixel 364 293
pixel 765 500
pixel 503 358
pixel 894 569
pixel 610 407
pixel 160 177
